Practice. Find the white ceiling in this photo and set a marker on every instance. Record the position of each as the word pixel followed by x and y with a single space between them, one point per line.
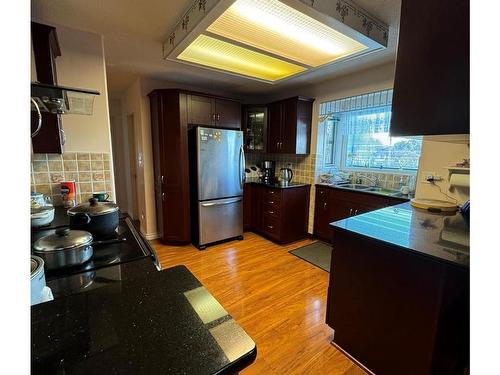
pixel 134 31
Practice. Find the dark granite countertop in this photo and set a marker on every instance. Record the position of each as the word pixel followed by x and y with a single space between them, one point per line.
pixel 438 236
pixel 276 185
pixel 139 321
pixel 396 195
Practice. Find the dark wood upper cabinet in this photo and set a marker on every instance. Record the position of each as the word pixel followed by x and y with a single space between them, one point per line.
pixel 46 48
pixel 431 86
pixel 201 110
pixel 228 113
pixel 290 126
pixel 212 111
pixel 254 125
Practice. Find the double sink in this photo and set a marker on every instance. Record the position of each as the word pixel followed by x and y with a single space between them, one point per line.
pixel 369 188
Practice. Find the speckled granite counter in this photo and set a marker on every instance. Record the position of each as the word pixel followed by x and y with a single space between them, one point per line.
pixel 258 181
pixel 441 237
pixel 139 321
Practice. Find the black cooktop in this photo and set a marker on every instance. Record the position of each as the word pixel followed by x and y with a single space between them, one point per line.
pixel 129 246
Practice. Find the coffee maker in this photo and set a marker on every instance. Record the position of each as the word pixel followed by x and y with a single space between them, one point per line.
pixel 268 167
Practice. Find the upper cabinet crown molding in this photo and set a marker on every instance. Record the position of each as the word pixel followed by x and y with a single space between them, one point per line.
pixel 431 86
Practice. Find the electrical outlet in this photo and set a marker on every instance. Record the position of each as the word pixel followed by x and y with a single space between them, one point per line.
pixel 427 176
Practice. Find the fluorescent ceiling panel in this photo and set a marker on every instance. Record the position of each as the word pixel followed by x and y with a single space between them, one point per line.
pixel 218 54
pixel 274 27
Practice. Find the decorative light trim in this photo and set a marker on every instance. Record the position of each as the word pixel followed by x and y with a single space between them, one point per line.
pixel 202 13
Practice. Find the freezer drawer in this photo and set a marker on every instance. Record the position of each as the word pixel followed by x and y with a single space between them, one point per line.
pixel 220 219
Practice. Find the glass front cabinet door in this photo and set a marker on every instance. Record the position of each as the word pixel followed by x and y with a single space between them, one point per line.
pixel 255 128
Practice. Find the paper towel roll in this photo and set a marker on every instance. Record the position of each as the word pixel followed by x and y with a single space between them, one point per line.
pixel 460 181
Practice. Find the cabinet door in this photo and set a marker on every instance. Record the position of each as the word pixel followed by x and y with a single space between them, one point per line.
pixel 289 126
pixel 431 85
pixel 201 110
pixel 322 214
pixel 247 206
pixel 255 129
pixel 50 139
pixel 274 126
pixel 228 113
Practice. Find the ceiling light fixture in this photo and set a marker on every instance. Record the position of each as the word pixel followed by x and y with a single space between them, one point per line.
pixel 272 40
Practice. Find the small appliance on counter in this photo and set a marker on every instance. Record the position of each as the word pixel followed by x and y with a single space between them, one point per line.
pixel 286 175
pixel 268 168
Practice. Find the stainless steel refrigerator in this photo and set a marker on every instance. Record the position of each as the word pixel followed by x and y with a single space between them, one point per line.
pixel 217 178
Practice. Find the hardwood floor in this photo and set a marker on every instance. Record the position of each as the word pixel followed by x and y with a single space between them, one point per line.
pixel 279 299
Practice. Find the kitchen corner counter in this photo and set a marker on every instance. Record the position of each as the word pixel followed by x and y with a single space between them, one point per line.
pixel 277 185
pixel 142 321
pixel 438 236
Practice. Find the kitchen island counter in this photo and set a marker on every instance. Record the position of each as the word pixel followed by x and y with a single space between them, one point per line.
pixel 137 321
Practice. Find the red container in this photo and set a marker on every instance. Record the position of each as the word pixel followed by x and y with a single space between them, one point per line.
pixel 68 192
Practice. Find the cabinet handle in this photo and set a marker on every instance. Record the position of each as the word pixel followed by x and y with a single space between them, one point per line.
pixel 213 116
pixel 350 211
pixel 355 212
pixel 277 145
pixel 63 136
pixel 270 202
pixel 324 206
pixel 218 117
pixel 270 212
pixel 270 226
pixel 163 196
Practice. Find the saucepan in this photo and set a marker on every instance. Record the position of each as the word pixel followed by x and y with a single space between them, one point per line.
pixel 66 248
pixel 99 218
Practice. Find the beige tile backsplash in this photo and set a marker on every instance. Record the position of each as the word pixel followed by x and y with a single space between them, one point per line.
pixel 90 171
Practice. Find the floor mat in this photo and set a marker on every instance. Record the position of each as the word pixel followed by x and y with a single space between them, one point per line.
pixel 317 253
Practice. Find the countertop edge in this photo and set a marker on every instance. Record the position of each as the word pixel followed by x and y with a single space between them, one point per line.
pixel 406 199
pixel 399 247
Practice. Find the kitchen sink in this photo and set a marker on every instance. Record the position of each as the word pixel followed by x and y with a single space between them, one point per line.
pixel 374 189
pixel 354 186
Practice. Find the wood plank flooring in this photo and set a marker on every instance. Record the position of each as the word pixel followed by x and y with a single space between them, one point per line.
pixel 279 299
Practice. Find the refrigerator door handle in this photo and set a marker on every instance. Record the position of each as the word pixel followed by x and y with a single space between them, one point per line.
pixel 221 203
pixel 242 166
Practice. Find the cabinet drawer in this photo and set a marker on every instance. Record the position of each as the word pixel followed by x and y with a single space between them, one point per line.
pixel 270 199
pixel 272 210
pixel 271 226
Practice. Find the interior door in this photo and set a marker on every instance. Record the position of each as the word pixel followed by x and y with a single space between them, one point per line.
pixel 221 163
pixel 201 110
pixel 228 113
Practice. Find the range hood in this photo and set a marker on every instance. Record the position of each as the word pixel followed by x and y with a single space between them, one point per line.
pixel 62 100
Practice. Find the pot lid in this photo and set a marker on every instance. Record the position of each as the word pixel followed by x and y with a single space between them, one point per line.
pixel 63 239
pixel 41 211
pixel 93 208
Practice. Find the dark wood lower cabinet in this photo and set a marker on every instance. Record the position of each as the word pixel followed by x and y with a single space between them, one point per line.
pixel 278 214
pixel 397 312
pixel 332 204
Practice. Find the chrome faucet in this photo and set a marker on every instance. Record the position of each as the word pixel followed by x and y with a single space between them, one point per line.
pixel 375 182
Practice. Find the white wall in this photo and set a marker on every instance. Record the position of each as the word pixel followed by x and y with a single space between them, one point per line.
pixel 435 157
pixel 119 142
pixel 82 64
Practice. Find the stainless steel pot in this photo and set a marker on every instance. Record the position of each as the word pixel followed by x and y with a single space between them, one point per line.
pixel 99 218
pixel 64 248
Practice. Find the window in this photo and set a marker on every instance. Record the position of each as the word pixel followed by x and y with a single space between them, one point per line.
pixel 356 135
